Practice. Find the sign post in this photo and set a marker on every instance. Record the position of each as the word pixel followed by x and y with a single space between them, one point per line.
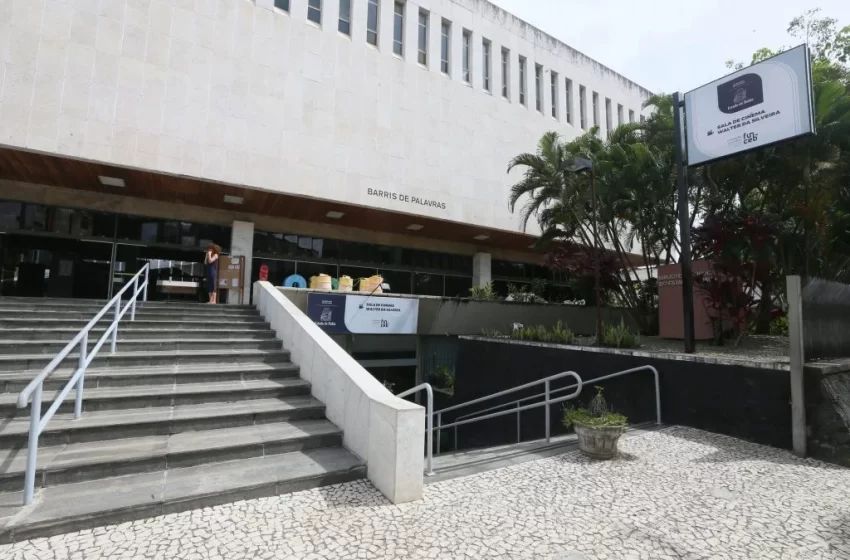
pixel 767 103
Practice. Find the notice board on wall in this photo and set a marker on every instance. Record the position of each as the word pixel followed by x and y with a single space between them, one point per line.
pixel 230 274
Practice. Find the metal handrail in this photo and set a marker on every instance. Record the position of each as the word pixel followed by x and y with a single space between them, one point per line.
pixel 546 403
pixel 430 421
pixel 35 387
pixel 517 403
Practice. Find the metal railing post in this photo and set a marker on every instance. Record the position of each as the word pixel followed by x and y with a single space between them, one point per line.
pixel 78 403
pixel 439 424
pixel 546 406
pixel 455 434
pixel 32 445
pixel 430 427
pixel 145 293
pixel 115 325
pixel 135 294
pixel 518 423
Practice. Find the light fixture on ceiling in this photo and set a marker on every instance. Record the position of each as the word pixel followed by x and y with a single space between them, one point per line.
pixel 481 237
pixel 230 199
pixel 335 215
pixel 111 181
pixel 415 227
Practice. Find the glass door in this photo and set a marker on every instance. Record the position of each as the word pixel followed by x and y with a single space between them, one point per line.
pixel 175 274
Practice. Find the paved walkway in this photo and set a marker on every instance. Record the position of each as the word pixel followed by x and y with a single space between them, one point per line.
pixel 676 493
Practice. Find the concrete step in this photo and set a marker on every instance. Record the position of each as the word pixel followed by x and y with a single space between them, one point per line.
pixel 71 507
pixel 147 314
pixel 78 462
pixel 98 304
pixel 161 420
pixel 187 342
pixel 122 358
pixel 26 323
pixel 129 331
pixel 121 398
pixel 154 375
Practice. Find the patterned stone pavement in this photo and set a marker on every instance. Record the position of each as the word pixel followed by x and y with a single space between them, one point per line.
pixel 674 494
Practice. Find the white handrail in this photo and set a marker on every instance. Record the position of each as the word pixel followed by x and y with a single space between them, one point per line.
pixel 430 421
pixel 517 403
pixel 35 387
pixel 546 403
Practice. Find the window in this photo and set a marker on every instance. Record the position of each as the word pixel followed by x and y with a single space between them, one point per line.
pixel 282 4
pixel 522 84
pixel 642 119
pixel 569 84
pixel 398 29
pixel 609 124
pixel 487 49
pixel 631 116
pixel 423 38
pixel 445 44
pixel 582 106
pixel 345 17
pixel 554 84
pixel 538 87
pixel 595 109
pixel 314 11
pixel 372 23
pixel 506 73
pixel 467 56
pixel 620 120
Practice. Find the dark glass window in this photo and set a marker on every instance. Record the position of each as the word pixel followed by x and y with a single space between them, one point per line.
pixel 186 234
pixel 398 280
pixel 282 4
pixel 345 17
pixel 458 286
pixel 314 11
pixel 10 215
pixel 398 29
pixel 372 23
pixel 427 284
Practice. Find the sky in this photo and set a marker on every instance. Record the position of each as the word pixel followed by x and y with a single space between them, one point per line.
pixel 670 45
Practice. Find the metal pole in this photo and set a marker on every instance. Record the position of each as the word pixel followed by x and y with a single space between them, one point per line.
pixel 548 427
pixel 439 424
pixel 135 296
pixel 596 266
pixel 32 445
pixel 145 294
pixel 684 227
pixel 78 403
pixel 115 324
pixel 518 424
pixel 430 411
pixel 798 360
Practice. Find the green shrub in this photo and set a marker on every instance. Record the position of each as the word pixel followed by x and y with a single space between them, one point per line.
pixel 779 326
pixel 597 415
pixel 559 334
pixel 484 292
pixel 446 378
pixel 619 336
pixel 492 333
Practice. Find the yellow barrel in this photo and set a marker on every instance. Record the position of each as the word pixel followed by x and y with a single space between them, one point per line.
pixel 323 282
pixel 346 284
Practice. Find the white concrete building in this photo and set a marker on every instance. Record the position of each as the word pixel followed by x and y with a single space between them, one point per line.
pixel 389 123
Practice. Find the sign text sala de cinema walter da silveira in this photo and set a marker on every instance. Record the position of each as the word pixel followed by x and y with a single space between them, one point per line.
pixel 406 198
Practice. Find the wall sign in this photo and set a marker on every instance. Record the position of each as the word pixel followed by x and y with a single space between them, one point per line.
pixel 406 198
pixel 350 314
pixel 764 104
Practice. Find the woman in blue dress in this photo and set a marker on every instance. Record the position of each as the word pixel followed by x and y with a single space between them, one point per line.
pixel 211 263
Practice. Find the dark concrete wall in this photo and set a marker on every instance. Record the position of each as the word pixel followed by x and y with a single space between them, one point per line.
pixel 748 403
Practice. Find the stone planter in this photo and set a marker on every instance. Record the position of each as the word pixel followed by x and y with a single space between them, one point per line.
pixel 599 443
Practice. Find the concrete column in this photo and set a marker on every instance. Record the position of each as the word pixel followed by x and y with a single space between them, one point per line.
pixel 481 274
pixel 242 245
pixel 798 361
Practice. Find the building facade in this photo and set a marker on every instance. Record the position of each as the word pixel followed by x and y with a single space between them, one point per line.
pixel 337 136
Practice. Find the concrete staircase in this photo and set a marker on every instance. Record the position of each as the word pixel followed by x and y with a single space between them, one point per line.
pixel 199 406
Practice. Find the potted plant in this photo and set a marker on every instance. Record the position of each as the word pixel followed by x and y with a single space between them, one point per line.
pixel 598 428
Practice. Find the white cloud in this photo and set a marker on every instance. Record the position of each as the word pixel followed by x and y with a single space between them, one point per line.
pixel 669 45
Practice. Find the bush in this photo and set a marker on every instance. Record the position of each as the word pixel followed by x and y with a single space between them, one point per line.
pixel 485 292
pixel 446 378
pixel 559 334
pixel 597 415
pixel 779 326
pixel 619 336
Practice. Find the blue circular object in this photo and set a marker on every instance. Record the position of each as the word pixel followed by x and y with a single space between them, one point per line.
pixel 295 281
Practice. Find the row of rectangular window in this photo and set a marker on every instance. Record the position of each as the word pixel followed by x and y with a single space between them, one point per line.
pixel 314 14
